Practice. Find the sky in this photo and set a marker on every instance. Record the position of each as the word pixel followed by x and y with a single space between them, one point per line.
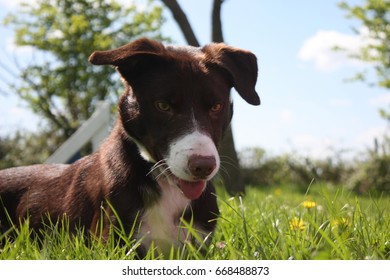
pixel 307 107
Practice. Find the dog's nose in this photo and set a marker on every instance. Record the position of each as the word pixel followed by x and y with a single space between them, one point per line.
pixel 202 166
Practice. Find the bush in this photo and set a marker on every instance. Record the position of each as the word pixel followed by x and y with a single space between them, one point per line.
pixel 258 168
pixel 373 174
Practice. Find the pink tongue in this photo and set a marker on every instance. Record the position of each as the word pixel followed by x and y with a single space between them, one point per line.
pixel 192 190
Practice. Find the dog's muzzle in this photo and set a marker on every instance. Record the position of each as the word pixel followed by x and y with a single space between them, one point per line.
pixel 193 160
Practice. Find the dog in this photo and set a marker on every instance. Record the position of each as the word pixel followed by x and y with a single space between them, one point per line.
pixel 155 168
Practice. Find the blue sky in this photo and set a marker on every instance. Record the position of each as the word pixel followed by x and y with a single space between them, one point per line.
pixel 306 107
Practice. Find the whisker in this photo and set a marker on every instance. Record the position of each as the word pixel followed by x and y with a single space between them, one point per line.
pixel 224 170
pixel 160 162
pixel 157 165
pixel 162 173
pixel 223 162
pixel 228 160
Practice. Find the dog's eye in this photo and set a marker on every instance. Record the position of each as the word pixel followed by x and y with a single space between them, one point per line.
pixel 163 106
pixel 216 108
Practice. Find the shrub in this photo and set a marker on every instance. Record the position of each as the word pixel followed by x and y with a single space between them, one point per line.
pixel 373 174
pixel 258 168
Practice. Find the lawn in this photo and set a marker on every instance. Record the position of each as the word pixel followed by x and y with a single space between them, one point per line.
pixel 272 223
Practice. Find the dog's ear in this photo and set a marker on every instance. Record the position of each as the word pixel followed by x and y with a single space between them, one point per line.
pixel 240 64
pixel 118 56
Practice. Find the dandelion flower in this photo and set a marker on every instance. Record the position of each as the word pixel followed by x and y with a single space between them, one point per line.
pixel 308 204
pixel 297 224
pixel 278 192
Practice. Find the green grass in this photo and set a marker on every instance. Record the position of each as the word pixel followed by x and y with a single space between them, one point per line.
pixel 274 223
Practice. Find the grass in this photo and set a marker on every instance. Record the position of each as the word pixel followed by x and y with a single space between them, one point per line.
pixel 273 223
pixel 323 224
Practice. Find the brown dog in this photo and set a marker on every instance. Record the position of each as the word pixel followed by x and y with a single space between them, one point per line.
pixel 155 167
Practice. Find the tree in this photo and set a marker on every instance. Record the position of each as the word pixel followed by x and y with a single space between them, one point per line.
pixel 374 15
pixel 60 85
pixel 231 173
pixel 25 148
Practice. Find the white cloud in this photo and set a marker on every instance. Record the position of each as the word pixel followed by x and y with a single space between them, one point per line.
pixel 320 49
pixel 380 100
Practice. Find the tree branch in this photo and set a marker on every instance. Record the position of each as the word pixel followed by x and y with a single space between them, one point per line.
pixel 217 35
pixel 182 20
pixel 10 72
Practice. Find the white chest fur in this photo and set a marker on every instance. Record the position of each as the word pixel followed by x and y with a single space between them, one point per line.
pixel 161 223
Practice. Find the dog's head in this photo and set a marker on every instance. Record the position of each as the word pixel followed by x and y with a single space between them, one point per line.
pixel 176 106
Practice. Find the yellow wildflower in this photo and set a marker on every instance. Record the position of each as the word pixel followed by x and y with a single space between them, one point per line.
pixel 309 204
pixel 297 224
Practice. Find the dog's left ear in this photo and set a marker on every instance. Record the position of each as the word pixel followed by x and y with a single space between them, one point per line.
pixel 123 54
pixel 240 64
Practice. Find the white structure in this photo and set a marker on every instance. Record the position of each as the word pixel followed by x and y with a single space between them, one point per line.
pixel 94 130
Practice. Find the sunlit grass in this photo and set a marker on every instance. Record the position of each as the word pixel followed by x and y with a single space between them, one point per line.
pixel 278 223
pixel 325 223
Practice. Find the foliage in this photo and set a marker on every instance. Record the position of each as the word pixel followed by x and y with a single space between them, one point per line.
pixel 59 84
pixel 373 174
pixel 260 169
pixel 26 148
pixel 374 15
pixel 368 175
pixel 264 170
pixel 272 224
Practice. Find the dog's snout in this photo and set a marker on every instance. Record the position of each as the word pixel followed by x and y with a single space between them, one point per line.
pixel 202 166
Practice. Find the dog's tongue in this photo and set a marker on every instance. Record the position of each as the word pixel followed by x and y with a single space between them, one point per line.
pixel 192 190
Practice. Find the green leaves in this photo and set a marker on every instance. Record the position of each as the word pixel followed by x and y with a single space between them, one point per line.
pixel 60 85
pixel 374 16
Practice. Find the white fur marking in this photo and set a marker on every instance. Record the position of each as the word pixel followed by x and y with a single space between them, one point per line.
pixel 161 222
pixel 144 153
pixel 194 143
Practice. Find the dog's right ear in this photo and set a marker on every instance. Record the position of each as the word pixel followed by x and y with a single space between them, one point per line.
pixel 241 66
pixel 124 54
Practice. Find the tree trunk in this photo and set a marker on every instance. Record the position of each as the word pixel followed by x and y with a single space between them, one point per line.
pixel 181 19
pixel 217 34
pixel 231 173
pixel 230 168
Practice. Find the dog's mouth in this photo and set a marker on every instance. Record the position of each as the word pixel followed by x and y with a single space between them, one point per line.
pixel 192 190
